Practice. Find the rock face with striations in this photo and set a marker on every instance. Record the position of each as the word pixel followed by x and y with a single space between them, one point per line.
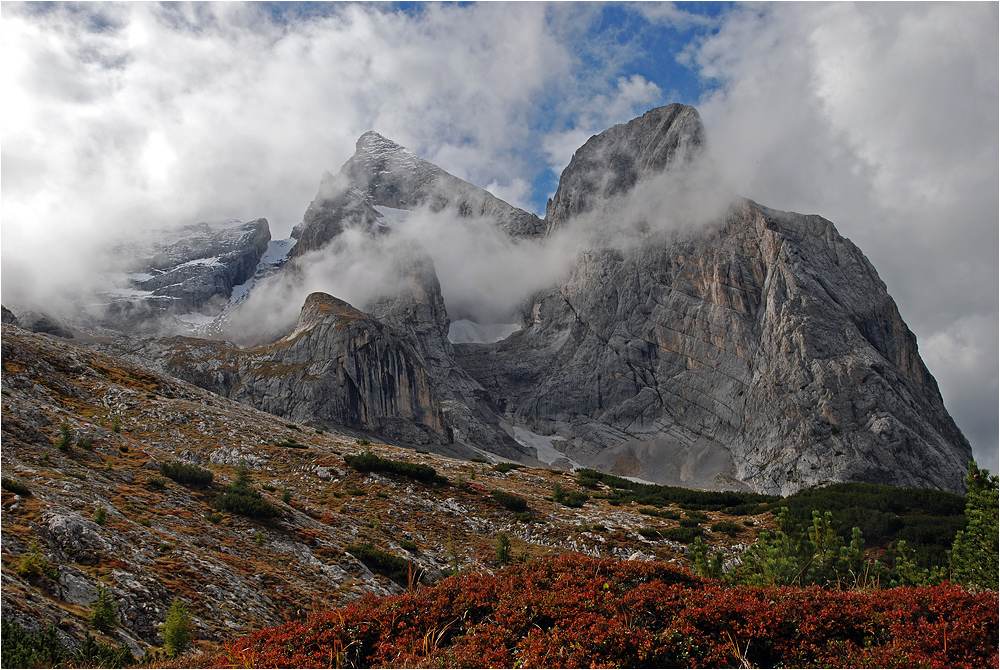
pixel 612 163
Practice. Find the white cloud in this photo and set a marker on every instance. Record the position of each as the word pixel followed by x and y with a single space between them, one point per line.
pixel 140 115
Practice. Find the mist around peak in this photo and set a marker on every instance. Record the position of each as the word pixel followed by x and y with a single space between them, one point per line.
pixel 485 274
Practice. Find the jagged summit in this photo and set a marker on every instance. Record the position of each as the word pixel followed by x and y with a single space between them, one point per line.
pixel 322 308
pixel 384 173
pixel 612 162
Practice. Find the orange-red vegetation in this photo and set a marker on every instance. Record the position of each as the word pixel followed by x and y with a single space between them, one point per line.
pixel 576 611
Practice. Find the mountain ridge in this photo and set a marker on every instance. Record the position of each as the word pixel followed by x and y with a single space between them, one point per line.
pixel 750 348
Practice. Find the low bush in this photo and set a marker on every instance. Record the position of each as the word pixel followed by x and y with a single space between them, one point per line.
pixel 655 495
pixel 381 562
pixel 23 648
pixel 241 498
pixel 186 473
pixel 32 565
pixel 371 462
pixel 510 501
pixel 14 486
pixel 728 527
pixel 586 479
pixel 506 467
pixel 682 534
pixel 576 611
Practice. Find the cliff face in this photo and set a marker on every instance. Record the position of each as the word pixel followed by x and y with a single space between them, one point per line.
pixel 764 352
pixel 613 162
pixel 191 269
pixel 338 367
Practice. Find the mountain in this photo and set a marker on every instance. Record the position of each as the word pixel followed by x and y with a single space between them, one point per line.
pixel 695 338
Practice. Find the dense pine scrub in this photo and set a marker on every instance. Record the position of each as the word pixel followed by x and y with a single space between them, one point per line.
pixel 577 611
pixel 241 498
pixel 927 520
pixel 382 562
pixel 624 491
pixel 186 473
pixel 372 462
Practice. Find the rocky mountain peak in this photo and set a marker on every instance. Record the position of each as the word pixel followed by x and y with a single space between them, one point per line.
pixel 372 143
pixel 321 309
pixel 613 162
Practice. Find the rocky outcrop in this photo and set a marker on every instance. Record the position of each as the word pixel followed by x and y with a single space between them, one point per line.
pixel 7 316
pixel 338 367
pixel 40 322
pixel 383 173
pixel 765 351
pixel 191 269
pixel 343 368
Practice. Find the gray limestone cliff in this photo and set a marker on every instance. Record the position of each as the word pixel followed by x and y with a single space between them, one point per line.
pixel 759 351
pixel 613 162
pixel 763 352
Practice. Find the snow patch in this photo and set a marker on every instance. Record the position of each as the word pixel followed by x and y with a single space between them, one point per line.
pixel 543 445
pixel 195 319
pixel 464 331
pixel 392 217
pixel 276 254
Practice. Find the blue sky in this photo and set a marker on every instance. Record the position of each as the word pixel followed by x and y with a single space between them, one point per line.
pixel 880 117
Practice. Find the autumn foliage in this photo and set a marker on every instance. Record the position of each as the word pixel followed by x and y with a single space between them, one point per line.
pixel 576 611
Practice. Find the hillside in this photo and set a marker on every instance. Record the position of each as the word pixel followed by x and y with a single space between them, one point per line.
pixel 157 540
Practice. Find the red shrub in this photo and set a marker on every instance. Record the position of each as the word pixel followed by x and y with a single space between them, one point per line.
pixel 575 611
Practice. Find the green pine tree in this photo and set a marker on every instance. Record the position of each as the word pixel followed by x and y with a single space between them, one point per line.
pixel 178 631
pixel 103 614
pixel 974 554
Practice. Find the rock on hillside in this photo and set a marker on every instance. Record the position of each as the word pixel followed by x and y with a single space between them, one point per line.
pixel 159 540
pixel 338 368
